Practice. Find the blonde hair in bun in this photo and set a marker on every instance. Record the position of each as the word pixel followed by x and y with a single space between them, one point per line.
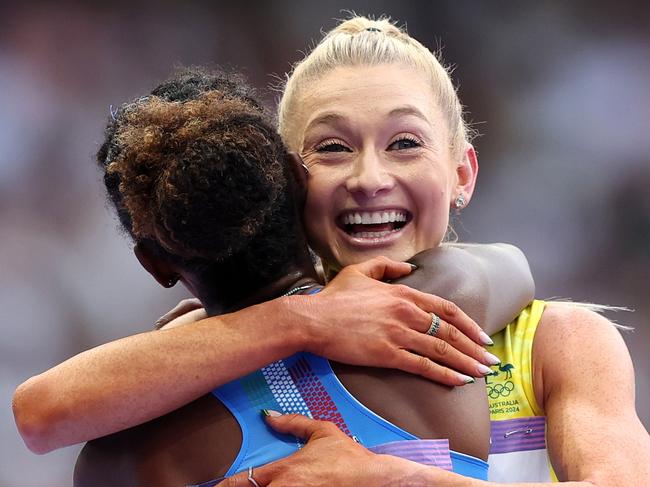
pixel 367 42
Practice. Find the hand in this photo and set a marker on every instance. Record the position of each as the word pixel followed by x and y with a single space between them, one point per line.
pixel 329 458
pixel 359 320
pixel 181 312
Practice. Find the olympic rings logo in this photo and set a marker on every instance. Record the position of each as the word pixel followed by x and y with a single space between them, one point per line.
pixel 502 390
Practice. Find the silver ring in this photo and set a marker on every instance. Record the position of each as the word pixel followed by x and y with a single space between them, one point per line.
pixel 435 324
pixel 250 477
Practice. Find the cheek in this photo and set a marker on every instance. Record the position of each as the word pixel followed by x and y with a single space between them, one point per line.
pixel 431 199
pixel 317 217
pixel 319 198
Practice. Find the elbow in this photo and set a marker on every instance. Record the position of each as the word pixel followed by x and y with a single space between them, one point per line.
pixel 522 269
pixel 34 416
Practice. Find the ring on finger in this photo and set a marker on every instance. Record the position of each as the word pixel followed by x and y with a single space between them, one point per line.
pixel 250 477
pixel 435 324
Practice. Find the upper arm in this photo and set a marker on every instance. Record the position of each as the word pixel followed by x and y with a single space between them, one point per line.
pixel 492 283
pixel 584 380
pixel 509 283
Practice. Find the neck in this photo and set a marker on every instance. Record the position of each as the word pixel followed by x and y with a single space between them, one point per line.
pixel 221 295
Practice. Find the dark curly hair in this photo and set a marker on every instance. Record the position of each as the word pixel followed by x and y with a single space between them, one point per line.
pixel 198 169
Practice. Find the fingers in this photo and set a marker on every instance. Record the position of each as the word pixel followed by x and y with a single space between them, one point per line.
pixel 183 307
pixel 448 312
pixel 299 425
pixel 383 268
pixel 262 476
pixel 425 367
pixel 449 334
pixel 239 480
pixel 471 360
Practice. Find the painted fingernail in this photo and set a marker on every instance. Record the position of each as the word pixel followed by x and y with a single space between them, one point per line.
pixel 466 379
pixel 270 413
pixel 491 359
pixel 485 339
pixel 413 266
pixel 484 370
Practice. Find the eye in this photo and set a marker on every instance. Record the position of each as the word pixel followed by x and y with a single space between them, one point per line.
pixel 404 142
pixel 332 145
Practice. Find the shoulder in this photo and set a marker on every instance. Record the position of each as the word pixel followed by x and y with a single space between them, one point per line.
pixel 584 381
pixel 574 320
pixel 574 327
pixel 573 344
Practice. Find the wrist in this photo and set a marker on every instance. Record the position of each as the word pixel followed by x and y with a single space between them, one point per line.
pixel 300 322
pixel 294 324
pixel 400 472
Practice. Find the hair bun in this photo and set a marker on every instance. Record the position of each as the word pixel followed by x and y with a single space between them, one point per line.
pixel 358 25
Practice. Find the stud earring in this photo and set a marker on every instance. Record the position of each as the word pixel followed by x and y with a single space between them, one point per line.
pixel 172 281
pixel 459 202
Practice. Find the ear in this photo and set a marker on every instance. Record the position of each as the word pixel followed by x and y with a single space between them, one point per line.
pixel 161 270
pixel 300 175
pixel 467 171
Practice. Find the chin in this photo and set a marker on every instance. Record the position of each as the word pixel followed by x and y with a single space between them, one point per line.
pixel 358 256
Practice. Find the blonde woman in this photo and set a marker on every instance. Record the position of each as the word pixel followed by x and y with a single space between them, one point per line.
pixel 378 124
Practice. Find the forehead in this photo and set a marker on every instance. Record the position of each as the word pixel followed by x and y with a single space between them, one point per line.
pixel 351 92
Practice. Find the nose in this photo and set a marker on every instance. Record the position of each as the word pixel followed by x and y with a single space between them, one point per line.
pixel 369 176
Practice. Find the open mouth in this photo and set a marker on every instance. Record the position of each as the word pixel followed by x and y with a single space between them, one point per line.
pixel 373 224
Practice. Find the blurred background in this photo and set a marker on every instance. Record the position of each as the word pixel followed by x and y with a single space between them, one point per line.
pixel 559 91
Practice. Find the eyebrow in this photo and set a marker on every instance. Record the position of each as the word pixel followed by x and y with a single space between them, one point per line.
pixel 409 110
pixel 329 118
pixel 332 118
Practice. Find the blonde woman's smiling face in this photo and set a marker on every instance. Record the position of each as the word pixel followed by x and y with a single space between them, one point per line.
pixel 381 173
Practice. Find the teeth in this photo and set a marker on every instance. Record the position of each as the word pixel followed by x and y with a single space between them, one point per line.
pixel 374 217
pixel 371 234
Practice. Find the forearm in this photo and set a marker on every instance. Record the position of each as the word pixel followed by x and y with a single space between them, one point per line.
pixel 433 477
pixel 356 320
pixel 492 283
pixel 137 378
pixel 409 474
